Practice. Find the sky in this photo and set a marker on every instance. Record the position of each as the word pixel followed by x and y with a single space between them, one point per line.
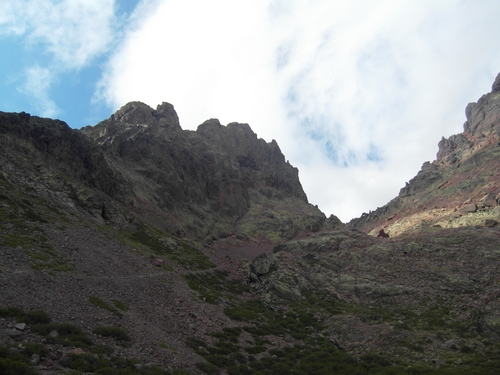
pixel 357 94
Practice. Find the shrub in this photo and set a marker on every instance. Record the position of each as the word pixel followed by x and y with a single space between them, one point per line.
pixel 102 349
pixel 11 367
pixel 208 368
pixel 69 334
pixel 120 305
pixel 103 305
pixel 36 317
pixel 11 312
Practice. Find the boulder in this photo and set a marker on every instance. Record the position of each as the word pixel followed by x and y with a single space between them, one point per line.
pixel 489 200
pixel 472 207
pixel 15 334
pixel 53 334
pixel 262 264
pixel 35 358
pixel 382 234
pixel 490 223
pixel 20 326
pixel 157 262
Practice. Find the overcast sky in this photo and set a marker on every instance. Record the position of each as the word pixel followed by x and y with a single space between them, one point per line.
pixel 356 93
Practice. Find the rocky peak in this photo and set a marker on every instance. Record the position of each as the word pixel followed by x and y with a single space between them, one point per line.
pixel 496 85
pixel 134 113
pixel 216 175
pixel 138 113
pixel 482 128
pixel 483 118
pixel 167 116
pixel 135 119
pixel 428 174
pixel 238 141
pixel 466 169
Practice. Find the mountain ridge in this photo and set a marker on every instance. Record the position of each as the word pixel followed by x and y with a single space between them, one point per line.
pixel 136 247
pixel 450 191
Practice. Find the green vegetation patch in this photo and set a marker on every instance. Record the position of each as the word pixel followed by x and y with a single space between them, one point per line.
pixel 103 305
pixel 30 317
pixel 215 285
pixel 89 363
pixel 67 334
pixel 21 225
pixel 305 347
pixel 46 258
pixel 313 356
pixel 148 238
pixel 317 355
pixel 15 359
pixel 248 311
pixel 20 212
pixel 168 347
pixel 102 349
pixel 120 305
pixel 15 362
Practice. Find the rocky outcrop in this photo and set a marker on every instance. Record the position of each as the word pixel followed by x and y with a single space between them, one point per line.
pixel 453 186
pixel 483 117
pixel 56 145
pixel 198 183
pixel 451 148
pixel 428 175
pixel 201 182
pixel 372 286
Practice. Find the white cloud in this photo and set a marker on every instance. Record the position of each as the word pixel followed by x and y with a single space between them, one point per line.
pixel 37 86
pixel 10 20
pixel 60 36
pixel 71 31
pixel 357 94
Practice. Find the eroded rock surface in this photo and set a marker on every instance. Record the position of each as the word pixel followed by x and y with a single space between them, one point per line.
pixel 450 191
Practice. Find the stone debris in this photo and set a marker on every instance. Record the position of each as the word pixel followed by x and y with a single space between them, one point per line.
pixel 20 326
pixel 157 262
pixel 489 200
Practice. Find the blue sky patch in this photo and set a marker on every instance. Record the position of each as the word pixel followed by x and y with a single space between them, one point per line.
pixel 65 91
pixel 374 154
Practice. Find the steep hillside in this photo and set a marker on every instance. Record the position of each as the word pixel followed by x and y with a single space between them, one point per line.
pixel 460 188
pixel 209 184
pixel 110 226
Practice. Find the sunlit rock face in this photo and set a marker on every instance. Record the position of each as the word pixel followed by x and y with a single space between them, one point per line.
pixel 466 170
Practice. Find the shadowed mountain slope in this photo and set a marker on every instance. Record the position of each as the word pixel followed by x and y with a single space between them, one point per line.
pixel 203 183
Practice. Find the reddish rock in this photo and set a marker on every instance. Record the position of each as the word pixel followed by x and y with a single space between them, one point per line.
pixel 469 208
pixel 489 200
pixel 157 262
pixel 382 234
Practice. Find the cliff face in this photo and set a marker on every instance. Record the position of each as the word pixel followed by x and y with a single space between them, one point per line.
pixel 208 184
pixel 461 187
pixel 201 183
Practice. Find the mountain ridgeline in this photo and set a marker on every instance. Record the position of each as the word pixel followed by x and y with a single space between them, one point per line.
pixel 198 183
pixel 137 247
pixel 459 188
